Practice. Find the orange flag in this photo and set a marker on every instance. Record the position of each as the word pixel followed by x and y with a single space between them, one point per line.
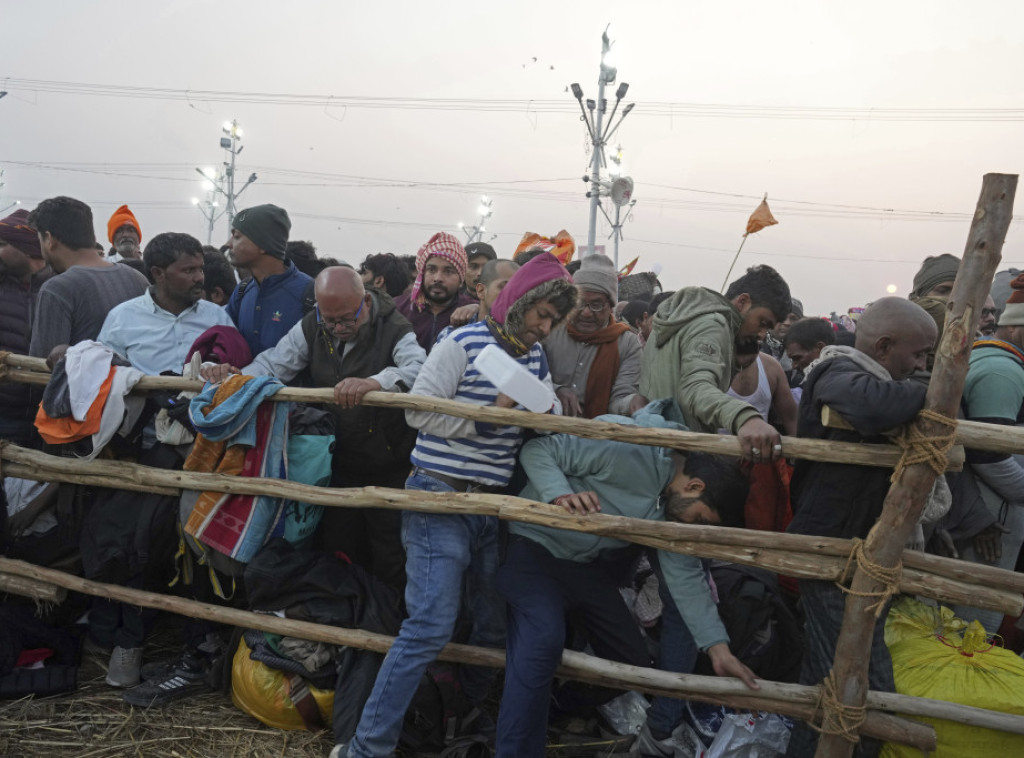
pixel 628 268
pixel 760 218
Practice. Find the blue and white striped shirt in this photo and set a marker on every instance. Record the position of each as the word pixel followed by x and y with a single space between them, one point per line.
pixel 460 448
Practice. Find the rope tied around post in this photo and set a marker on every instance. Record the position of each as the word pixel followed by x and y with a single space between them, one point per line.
pixel 919 447
pixel 889 576
pixel 836 718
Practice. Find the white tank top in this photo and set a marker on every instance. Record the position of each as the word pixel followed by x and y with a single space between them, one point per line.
pixel 761 398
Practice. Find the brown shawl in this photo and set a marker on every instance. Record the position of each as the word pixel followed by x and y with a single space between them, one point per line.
pixel 605 367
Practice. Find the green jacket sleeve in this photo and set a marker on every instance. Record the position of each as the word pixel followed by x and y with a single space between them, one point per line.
pixel 686 583
pixel 705 372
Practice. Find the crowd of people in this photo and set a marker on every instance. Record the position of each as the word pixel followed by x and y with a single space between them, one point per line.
pixel 265 311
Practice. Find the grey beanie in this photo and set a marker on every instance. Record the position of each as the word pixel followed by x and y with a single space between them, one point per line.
pixel 1001 286
pixel 597 274
pixel 267 226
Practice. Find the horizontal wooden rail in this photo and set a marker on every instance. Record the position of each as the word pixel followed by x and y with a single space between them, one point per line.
pixel 792 555
pixel 722 444
pixel 789 699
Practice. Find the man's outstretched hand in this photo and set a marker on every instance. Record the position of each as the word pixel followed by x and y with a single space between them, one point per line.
pixel 727 664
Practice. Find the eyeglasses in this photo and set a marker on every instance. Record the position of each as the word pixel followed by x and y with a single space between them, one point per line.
pixel 334 323
pixel 595 307
pixel 989 312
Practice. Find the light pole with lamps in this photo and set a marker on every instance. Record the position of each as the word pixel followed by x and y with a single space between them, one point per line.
pixel 599 131
pixel 225 183
pixel 475 233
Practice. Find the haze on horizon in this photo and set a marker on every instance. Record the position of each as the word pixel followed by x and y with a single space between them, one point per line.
pixel 868 126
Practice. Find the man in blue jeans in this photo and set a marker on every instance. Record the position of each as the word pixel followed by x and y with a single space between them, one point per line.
pixel 549 572
pixel 454 556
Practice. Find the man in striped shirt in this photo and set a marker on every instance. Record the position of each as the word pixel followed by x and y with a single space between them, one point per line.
pixel 459 455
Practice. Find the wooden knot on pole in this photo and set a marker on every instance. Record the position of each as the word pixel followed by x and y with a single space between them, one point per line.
pixel 919 447
pixel 837 719
pixel 888 576
pixel 4 369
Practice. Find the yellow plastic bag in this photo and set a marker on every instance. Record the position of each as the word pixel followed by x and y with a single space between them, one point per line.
pixel 932 658
pixel 262 692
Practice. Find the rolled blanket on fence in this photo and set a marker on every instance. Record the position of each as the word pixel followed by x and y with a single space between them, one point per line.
pixel 238 434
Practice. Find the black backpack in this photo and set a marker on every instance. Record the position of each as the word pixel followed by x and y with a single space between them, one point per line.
pixel 440 719
pixel 764 631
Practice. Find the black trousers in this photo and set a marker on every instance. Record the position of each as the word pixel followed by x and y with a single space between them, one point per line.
pixel 370 537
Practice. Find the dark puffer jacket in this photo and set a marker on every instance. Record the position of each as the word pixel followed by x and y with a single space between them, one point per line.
pixel 837 499
pixel 17 308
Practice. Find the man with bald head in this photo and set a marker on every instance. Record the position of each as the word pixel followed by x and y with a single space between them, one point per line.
pixel 867 385
pixel 355 341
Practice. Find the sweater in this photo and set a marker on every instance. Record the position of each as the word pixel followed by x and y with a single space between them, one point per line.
pixel 571 362
pixel 460 448
pixel 72 306
pixel 628 480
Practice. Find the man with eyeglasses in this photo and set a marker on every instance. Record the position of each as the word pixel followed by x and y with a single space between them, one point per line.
pixel 356 341
pixel 989 316
pixel 594 358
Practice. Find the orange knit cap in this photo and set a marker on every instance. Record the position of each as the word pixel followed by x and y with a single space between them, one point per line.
pixel 122 217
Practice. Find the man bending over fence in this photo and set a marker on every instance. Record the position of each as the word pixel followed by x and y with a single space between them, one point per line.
pixel 549 572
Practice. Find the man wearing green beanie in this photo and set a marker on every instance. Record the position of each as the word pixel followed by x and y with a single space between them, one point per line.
pixel 266 306
pixel 935 277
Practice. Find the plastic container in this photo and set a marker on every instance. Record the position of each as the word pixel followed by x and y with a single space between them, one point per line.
pixel 514 380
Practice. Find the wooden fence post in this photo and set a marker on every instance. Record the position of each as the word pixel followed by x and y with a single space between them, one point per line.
pixel 906 498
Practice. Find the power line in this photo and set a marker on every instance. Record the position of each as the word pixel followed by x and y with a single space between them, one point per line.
pixel 508 189
pixel 648 108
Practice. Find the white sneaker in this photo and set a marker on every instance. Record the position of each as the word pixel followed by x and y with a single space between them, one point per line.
pixel 125 666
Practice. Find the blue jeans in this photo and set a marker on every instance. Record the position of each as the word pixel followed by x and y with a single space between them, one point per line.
pixel 677 652
pixel 541 589
pixel 447 556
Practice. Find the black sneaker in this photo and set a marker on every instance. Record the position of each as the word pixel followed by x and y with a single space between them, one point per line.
pixel 188 676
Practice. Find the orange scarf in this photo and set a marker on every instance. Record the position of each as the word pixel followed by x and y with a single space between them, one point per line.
pixel 605 367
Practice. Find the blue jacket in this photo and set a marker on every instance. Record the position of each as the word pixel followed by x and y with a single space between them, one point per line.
pixel 264 312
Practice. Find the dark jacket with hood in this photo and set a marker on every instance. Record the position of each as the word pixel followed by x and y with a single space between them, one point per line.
pixel 837 499
pixel 690 357
pixel 369 440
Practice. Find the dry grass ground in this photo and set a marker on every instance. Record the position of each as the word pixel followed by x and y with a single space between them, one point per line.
pixel 94 722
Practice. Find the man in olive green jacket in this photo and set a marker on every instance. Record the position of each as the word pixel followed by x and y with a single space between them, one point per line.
pixel 690 355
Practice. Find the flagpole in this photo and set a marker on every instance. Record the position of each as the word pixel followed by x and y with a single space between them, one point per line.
pixel 733 264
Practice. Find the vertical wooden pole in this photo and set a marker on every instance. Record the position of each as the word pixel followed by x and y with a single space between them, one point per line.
pixel 906 498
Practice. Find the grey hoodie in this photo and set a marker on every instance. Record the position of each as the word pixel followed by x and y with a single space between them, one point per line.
pixel 689 357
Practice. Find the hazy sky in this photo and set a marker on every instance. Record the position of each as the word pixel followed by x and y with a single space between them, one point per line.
pixel 869 125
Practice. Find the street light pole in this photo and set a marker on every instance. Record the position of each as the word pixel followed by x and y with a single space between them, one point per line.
pixel 225 183
pixel 599 131
pixel 475 233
